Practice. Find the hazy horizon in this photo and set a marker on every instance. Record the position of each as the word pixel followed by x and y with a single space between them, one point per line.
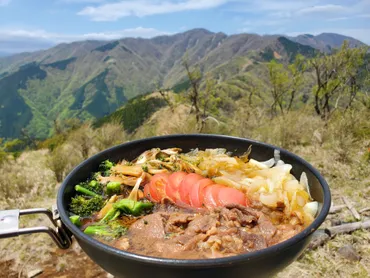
pixel 29 26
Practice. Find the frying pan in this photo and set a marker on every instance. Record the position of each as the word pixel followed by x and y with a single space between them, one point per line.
pixel 261 263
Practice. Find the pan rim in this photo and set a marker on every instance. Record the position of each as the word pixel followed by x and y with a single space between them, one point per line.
pixel 200 263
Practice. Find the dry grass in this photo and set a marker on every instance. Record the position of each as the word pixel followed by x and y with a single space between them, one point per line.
pixel 27 183
pixel 339 149
pixel 24 180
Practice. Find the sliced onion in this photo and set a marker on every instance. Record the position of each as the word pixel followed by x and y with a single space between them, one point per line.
pixel 286 168
pixel 311 208
pixel 269 199
pixel 292 185
pixel 276 155
pixel 280 162
pixel 262 189
pixel 304 181
pixel 247 181
pixel 228 182
pixel 256 185
pixel 229 160
pixel 287 208
pixel 216 151
pixel 271 186
pixel 269 163
pixel 193 152
pixel 258 164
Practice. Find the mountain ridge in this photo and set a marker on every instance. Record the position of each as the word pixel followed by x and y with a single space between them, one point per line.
pixel 90 79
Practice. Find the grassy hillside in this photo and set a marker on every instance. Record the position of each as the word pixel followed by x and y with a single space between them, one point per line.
pixel 134 113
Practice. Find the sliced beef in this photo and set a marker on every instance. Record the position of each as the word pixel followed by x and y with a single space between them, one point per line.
pixel 286 231
pixel 178 222
pixel 183 234
pixel 244 210
pixel 266 227
pixel 253 241
pixel 241 216
pixel 151 226
pixel 189 241
pixel 203 223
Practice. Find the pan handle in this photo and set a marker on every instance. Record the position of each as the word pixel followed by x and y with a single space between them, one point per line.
pixel 9 225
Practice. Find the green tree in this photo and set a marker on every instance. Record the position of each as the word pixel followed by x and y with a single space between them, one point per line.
pixel 285 82
pixel 337 79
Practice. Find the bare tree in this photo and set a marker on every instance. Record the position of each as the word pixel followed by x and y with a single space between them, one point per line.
pixel 336 79
pixel 166 98
pixel 195 78
pixel 204 101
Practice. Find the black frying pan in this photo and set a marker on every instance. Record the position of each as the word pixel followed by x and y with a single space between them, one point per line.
pixel 262 263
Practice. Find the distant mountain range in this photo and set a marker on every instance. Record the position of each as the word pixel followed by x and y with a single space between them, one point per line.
pixel 90 79
pixel 326 41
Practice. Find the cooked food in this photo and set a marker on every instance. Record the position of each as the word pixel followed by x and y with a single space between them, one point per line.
pixel 195 205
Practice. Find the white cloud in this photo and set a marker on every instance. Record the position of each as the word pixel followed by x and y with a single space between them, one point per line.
pixel 4 2
pixel 321 9
pixel 338 18
pixel 133 32
pixel 19 40
pixel 140 8
pixel 281 8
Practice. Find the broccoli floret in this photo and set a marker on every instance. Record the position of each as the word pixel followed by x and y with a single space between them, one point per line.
pixel 91 186
pixel 86 206
pixel 111 215
pixel 126 206
pixel 75 219
pixel 113 187
pixel 96 175
pixel 131 207
pixel 84 191
pixel 112 230
pixel 105 167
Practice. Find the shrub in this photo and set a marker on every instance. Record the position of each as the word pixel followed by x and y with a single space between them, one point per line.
pixel 109 135
pixel 58 161
pixel 82 140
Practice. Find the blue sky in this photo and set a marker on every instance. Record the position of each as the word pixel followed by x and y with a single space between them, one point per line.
pixel 27 25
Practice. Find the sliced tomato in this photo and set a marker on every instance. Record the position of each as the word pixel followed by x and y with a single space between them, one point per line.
pixel 172 189
pixel 228 196
pixel 147 192
pixel 211 195
pixel 176 178
pixel 196 194
pixel 158 185
pixel 186 185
